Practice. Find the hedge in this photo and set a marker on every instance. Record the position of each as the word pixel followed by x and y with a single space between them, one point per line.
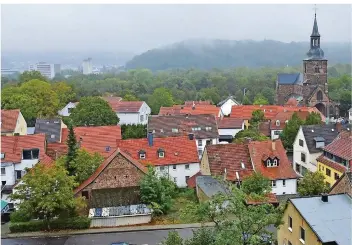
pixel 57 224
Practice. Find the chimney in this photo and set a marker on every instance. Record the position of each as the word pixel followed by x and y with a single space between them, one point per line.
pixel 338 127
pixel 324 197
pixel 193 106
pixel 191 136
pixel 150 138
pixel 273 145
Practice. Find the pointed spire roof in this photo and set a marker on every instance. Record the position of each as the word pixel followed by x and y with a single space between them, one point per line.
pixel 315 32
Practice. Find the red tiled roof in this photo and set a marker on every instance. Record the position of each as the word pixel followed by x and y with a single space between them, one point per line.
pixel 264 128
pixel 197 110
pixel 269 198
pixel 270 111
pixel 341 146
pixel 191 103
pixel 9 120
pixel 178 150
pixel 105 164
pixel 330 163
pixel 46 160
pixel 13 146
pixel 93 139
pixel 259 148
pixel 282 117
pixel 126 106
pixel 191 182
pixel 228 122
pixel 229 157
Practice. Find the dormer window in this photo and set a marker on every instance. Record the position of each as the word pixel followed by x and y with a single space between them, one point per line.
pixel 141 154
pixel 107 148
pixel 30 154
pixel 268 163
pixel 277 123
pixel 175 130
pixel 275 162
pixel 208 128
pixel 319 142
pixel 2 155
pixel 161 153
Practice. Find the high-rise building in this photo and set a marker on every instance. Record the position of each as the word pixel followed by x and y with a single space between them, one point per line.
pixel 46 69
pixel 87 66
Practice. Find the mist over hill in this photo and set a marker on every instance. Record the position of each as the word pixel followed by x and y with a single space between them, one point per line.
pixel 215 53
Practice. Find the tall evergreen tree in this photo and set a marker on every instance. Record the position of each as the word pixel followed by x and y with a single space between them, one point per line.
pixel 72 150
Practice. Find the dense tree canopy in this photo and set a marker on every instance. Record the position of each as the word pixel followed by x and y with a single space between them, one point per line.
pixel 313 183
pixel 93 111
pixel 31 75
pixel 160 97
pixel 290 131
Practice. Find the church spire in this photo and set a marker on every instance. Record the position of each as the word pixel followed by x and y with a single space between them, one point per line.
pixel 315 32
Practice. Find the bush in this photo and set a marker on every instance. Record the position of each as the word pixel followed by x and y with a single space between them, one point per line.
pixel 57 224
pixel 20 216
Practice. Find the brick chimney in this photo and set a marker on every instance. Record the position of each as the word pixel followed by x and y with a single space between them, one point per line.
pixel 338 127
pixel 191 136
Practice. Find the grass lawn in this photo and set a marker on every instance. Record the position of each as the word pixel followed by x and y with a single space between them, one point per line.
pixel 182 199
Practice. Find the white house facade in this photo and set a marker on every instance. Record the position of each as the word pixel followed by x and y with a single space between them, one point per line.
pixel 308 145
pixel 201 143
pixel 226 105
pixel 66 111
pixel 134 117
pixel 179 173
pixel 284 186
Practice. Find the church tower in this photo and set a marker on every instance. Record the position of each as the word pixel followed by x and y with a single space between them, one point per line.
pixel 315 65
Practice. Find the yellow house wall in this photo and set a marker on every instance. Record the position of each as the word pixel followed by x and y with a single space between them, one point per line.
pixel 21 126
pixel 204 163
pixel 328 179
pixel 284 234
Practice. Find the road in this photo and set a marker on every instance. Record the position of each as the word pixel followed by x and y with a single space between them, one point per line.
pixel 138 238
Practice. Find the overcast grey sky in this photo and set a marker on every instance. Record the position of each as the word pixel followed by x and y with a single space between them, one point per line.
pixel 136 28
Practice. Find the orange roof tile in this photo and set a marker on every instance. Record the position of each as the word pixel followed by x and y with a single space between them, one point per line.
pixel 13 146
pixel 257 149
pixel 337 166
pixel 199 102
pixel 178 150
pixel 228 122
pixel 105 164
pixel 341 146
pixel 197 110
pixel 269 198
pixel 191 182
pixel 101 139
pixel 9 120
pixel 229 157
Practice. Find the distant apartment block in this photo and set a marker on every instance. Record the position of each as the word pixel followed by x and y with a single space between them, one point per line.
pixel 46 69
pixel 87 66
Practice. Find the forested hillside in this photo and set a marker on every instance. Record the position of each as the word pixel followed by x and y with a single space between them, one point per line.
pixel 208 54
pixel 162 88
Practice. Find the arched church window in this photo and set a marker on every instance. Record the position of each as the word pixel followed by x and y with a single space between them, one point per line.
pixel 320 96
pixel 316 69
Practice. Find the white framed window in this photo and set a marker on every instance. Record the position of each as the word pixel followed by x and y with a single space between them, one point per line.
pixel 161 154
pixel 275 163
pixel 174 130
pixel 174 167
pixel 208 128
pixel 200 142
pixel 141 118
pixel 290 223
pixel 273 183
pixel 3 171
pixel 277 123
pixel 302 235
pixel 242 165
pixel 200 152
pixel 187 166
pixel 141 155
pixel 52 136
pixel 161 130
pixel 175 180
pixel 30 154
pixel 2 155
pixel 283 182
pixel 268 163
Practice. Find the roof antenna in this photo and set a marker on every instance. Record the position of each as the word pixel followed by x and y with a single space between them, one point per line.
pixel 315 11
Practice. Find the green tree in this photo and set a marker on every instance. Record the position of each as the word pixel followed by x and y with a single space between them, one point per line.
pixel 238 223
pixel 290 131
pixel 45 191
pixel 252 134
pixel 160 97
pixel 256 119
pixel 246 101
pixel 130 97
pixel 157 191
pixel 256 185
pixel 173 238
pixel 84 164
pixel 93 111
pixel 313 119
pixel 211 94
pixel 259 99
pixel 72 150
pixel 31 75
pixel 65 93
pixel 313 183
pixel 134 131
